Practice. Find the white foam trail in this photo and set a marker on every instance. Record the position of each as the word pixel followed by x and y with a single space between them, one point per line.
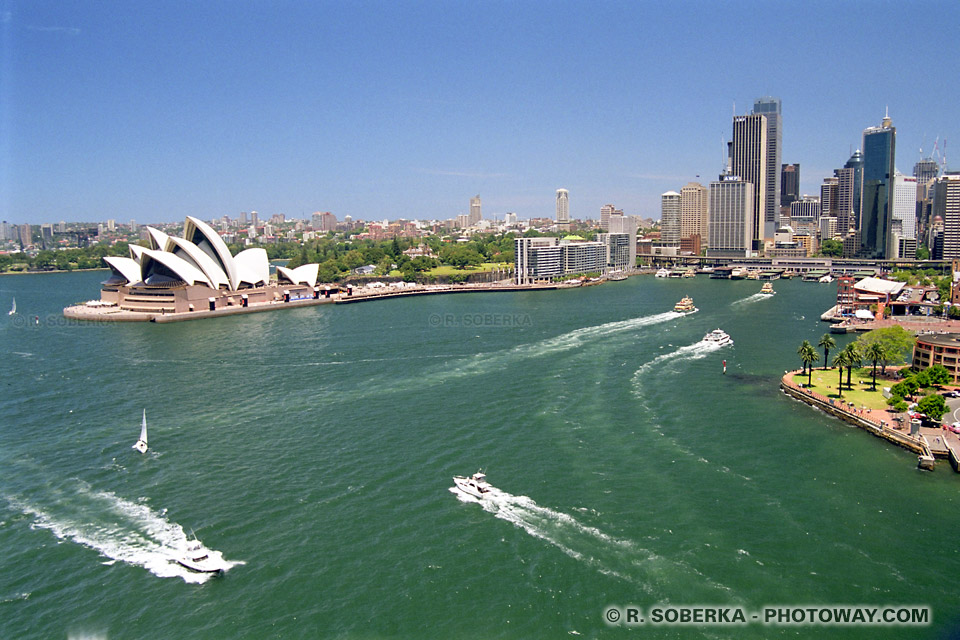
pixel 139 536
pixel 751 299
pixel 693 351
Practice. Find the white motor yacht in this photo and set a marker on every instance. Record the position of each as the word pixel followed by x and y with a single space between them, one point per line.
pixel 719 337
pixel 197 557
pixel 476 485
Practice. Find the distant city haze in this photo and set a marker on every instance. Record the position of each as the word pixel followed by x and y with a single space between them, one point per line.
pixel 150 113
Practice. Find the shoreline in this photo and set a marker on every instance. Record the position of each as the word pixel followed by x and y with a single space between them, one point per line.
pixel 869 421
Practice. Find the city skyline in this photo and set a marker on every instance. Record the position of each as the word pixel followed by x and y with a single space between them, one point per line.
pixel 154 113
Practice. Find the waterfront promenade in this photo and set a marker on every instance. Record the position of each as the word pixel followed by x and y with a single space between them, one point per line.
pixel 929 442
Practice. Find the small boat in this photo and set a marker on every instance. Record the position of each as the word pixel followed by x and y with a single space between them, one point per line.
pixel 663 273
pixel 767 288
pixel 141 445
pixel 690 273
pixel 13 308
pixel 198 558
pixel 826 279
pixel 476 485
pixel 718 336
pixel 685 305
pixel 617 276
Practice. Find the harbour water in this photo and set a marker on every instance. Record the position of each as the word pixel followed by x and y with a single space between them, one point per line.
pixel 314 449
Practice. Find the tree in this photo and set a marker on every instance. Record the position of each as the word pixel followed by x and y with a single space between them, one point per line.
pixel 827 343
pixel 804 352
pixel 831 248
pixel 809 356
pixel 874 352
pixel 932 406
pixel 897 341
pixel 853 360
pixel 939 375
pixel 923 253
pixel 840 361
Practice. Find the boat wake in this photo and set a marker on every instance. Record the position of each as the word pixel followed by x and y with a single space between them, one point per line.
pixel 751 299
pixel 693 351
pixel 125 531
pixel 609 555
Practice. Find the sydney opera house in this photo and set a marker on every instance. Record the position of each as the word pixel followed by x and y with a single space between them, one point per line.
pixel 198 273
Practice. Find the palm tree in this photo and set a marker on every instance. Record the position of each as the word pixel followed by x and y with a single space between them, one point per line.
pixel 840 361
pixel 826 343
pixel 803 350
pixel 874 353
pixel 853 360
pixel 809 356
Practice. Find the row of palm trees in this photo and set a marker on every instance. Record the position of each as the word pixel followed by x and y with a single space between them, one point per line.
pixel 850 356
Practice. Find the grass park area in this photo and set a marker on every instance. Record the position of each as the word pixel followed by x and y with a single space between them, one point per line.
pixel 825 383
pixel 449 270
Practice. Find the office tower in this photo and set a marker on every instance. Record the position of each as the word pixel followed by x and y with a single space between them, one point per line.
pixel 856 164
pixel 670 217
pixel 243 218
pixel 620 223
pixel 879 156
pixel 111 225
pixel 806 209
pixel 563 209
pixel 475 215
pixel 842 208
pixel 829 196
pixel 606 211
pixel 925 170
pixel 510 218
pixel 947 206
pixel 25 234
pixel 770 107
pixel 748 160
pixel 905 204
pixel 254 221
pixel 62 226
pixel 789 183
pixel 694 207
pixel 732 221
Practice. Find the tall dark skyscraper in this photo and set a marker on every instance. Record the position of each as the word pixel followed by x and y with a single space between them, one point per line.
pixel 789 184
pixel 879 156
pixel 770 216
pixel 856 163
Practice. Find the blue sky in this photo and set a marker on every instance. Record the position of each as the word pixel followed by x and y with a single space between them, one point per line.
pixel 156 111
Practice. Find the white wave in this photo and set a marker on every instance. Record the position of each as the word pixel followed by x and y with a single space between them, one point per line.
pixel 129 532
pixel 751 299
pixel 693 351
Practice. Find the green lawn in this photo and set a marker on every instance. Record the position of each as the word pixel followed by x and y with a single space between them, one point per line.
pixel 825 383
pixel 449 270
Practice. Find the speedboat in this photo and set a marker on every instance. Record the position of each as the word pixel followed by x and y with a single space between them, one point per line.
pixel 685 305
pixel 719 337
pixel 767 288
pixel 198 558
pixel 476 485
pixel 663 273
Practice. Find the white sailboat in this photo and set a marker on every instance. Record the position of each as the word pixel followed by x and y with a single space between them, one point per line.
pixel 13 309
pixel 141 445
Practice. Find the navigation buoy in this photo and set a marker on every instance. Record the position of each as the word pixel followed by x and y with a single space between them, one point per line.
pixel 724 366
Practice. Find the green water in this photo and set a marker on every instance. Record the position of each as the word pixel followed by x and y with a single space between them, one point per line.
pixel 314 448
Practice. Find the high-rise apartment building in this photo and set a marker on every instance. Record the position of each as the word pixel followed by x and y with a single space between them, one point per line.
pixel 563 209
pixel 606 211
pixel 789 183
pixel 770 108
pixel 732 221
pixel 748 160
pixel 621 224
pixel 843 208
pixel 475 214
pixel 830 196
pixel 879 156
pixel 670 217
pixel 694 209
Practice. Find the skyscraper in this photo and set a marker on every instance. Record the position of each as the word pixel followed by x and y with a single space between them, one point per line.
pixel 905 204
pixel 879 156
pixel 475 215
pixel 748 160
pixel 789 184
pixel 947 205
pixel 694 207
pixel 843 208
pixel 606 211
pixel 855 162
pixel 732 221
pixel 563 209
pixel 670 217
pixel 770 107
